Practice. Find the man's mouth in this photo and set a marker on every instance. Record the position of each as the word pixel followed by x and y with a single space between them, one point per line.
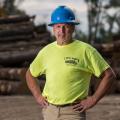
pixel 61 35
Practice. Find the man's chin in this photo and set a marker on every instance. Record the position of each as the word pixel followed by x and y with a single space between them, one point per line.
pixel 62 39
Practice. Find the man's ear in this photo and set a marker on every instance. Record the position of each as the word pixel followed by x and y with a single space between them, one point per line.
pixel 53 28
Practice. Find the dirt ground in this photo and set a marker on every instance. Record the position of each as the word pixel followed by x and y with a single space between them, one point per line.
pixel 25 108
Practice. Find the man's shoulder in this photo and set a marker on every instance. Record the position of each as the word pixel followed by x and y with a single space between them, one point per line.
pixel 48 46
pixel 85 45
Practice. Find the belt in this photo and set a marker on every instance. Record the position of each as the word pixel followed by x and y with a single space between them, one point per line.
pixel 64 105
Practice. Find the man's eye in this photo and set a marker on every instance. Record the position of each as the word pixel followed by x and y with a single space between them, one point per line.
pixel 58 26
pixel 67 26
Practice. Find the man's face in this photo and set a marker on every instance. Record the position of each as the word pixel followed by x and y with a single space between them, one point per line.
pixel 63 32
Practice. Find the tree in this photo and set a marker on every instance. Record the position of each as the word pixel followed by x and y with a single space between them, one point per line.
pixel 113 19
pixel 97 15
pixel 94 11
pixel 10 9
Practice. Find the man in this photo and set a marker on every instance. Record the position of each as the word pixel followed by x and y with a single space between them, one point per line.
pixel 68 65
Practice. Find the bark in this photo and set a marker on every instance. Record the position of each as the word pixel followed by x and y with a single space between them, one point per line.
pixel 16 58
pixel 108 47
pixel 118 87
pixel 117 72
pixel 8 87
pixel 15 19
pixel 13 32
pixel 17 25
pixel 41 28
pixel 23 45
pixel 16 38
pixel 11 74
pixel 30 37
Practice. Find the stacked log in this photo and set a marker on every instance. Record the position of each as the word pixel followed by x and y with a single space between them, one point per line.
pixel 20 41
pixel 111 52
pixel 10 79
pixel 15 19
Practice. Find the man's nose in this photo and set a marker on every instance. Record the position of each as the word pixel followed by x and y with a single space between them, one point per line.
pixel 63 29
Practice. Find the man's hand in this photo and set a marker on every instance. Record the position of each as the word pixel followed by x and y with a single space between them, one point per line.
pixel 35 89
pixel 42 101
pixel 85 104
pixel 108 77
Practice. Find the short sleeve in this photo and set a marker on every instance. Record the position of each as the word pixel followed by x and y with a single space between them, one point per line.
pixel 37 67
pixel 97 63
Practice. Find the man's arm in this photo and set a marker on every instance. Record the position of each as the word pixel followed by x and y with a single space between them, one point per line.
pixel 108 77
pixel 35 89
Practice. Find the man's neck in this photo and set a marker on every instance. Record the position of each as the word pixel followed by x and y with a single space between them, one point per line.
pixel 64 42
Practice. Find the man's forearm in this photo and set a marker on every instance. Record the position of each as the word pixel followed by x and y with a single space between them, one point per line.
pixel 104 85
pixel 35 89
pixel 32 84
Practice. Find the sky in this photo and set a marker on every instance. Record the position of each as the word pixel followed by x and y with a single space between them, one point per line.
pixel 43 9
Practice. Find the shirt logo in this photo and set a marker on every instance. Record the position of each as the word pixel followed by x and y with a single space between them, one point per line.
pixel 71 60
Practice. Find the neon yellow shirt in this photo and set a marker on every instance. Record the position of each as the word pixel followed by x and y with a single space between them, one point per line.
pixel 68 70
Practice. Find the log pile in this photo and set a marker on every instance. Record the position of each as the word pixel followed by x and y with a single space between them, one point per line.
pixel 20 41
pixel 111 52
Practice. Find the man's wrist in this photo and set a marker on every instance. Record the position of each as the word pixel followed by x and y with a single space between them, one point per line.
pixel 95 99
pixel 37 95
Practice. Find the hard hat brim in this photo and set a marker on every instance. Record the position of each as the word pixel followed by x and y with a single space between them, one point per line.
pixel 73 23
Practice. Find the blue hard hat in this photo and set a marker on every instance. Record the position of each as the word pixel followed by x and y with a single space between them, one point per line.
pixel 63 14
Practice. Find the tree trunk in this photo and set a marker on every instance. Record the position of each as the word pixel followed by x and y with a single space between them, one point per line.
pixel 15 19
pixel 16 38
pixel 17 57
pixel 11 74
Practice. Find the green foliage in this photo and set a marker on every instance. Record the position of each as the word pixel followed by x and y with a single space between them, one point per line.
pixel 98 18
pixel 10 8
pixel 114 3
pixel 79 35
